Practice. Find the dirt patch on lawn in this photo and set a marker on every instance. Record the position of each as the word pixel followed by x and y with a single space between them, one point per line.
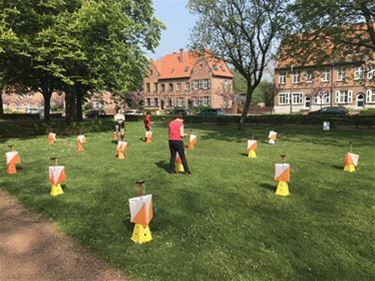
pixel 32 249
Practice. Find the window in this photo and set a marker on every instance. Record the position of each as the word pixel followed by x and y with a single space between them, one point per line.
pixel 297 98
pixel 341 74
pixel 200 66
pixel 296 77
pixel 170 102
pixel 370 72
pixel 148 102
pixel 162 88
pixel 181 102
pixel 322 98
pixel 309 76
pixel 206 101
pixel 215 67
pixel 151 72
pixel 179 88
pixel 205 84
pixel 370 96
pixel 187 87
pixel 152 102
pixel 222 67
pixel 186 69
pixel 170 87
pixel 358 73
pixel 195 85
pixel 148 88
pixel 282 78
pixel 156 102
pixel 325 76
pixel 155 87
pixel 344 96
pixel 284 98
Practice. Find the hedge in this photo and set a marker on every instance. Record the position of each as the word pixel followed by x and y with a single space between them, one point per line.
pixel 16 128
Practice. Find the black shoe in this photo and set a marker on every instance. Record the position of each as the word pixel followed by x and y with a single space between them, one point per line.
pixel 188 173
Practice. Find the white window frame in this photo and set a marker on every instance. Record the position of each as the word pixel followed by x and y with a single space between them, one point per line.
pixel 179 87
pixel 344 97
pixel 358 73
pixel 170 89
pixel 187 86
pixel 282 78
pixel 195 85
pixel 325 76
pixel 181 102
pixel 297 77
pixel 322 98
pixel 341 74
pixel 297 98
pixel 284 98
pixel 370 96
pixel 370 72
pixel 205 84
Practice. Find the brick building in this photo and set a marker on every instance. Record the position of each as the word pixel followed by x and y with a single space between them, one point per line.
pixel 347 80
pixel 185 79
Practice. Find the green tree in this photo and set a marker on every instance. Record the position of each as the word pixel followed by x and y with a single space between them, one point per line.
pixel 241 32
pixel 348 24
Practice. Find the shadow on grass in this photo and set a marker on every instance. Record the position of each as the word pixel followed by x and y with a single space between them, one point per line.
pixel 337 167
pixel 268 186
pixel 243 154
pixel 163 165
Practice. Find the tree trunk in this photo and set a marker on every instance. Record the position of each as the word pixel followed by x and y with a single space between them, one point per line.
pixel 1 104
pixel 70 107
pixel 47 103
pixel 249 94
pixel 79 105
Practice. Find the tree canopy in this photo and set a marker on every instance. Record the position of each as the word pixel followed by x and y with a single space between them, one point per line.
pixel 79 46
pixel 244 33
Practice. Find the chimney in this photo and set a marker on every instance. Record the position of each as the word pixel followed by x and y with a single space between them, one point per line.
pixel 181 55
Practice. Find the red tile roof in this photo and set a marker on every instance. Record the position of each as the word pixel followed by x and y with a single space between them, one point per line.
pixel 180 65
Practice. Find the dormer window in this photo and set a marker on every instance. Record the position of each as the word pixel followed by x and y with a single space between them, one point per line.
pixel 200 66
pixel 223 68
pixel 325 76
pixel 151 72
pixel 215 67
pixel 370 72
pixel 186 69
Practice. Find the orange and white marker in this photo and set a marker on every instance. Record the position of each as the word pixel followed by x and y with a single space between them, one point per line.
pixel 122 147
pixel 282 175
pixel 192 142
pixel 178 163
pixel 141 213
pixel 272 136
pixel 56 178
pixel 351 160
pixel 13 158
pixel 251 148
pixel 148 136
pixel 115 136
pixel 80 141
pixel 51 138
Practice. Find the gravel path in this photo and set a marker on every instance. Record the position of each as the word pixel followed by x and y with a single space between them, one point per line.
pixel 32 249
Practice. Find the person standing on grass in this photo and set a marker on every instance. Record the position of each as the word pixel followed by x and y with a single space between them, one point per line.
pixel 120 123
pixel 147 122
pixel 176 143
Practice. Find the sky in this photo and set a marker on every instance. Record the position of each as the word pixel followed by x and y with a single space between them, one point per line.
pixel 178 22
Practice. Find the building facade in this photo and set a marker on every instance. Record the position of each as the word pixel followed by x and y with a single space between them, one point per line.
pixel 186 79
pixel 346 81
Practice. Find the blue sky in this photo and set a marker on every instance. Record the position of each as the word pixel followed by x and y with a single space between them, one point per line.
pixel 178 22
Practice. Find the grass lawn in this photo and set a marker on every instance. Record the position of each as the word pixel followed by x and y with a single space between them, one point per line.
pixel 223 222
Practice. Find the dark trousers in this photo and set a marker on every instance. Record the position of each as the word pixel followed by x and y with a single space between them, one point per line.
pixel 177 146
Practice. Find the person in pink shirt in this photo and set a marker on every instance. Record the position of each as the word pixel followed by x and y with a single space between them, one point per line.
pixel 176 143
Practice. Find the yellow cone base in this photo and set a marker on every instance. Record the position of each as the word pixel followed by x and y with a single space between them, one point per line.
pixel 56 190
pixel 349 168
pixel 282 188
pixel 252 154
pixel 141 234
pixel 121 156
pixel 179 168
